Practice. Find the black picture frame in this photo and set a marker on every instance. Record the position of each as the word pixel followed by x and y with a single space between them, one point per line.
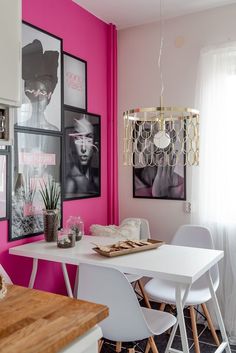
pixel 37 157
pixel 166 182
pixel 5 160
pixel 75 82
pixel 82 168
pixel 42 89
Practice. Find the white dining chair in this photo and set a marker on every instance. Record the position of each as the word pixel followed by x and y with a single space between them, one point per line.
pixel 163 291
pixel 127 320
pixel 5 275
pixel 144 234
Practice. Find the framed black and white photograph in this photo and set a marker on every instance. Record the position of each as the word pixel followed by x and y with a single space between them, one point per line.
pixel 75 82
pixel 37 160
pixel 4 179
pixel 82 155
pixel 41 80
pixel 154 178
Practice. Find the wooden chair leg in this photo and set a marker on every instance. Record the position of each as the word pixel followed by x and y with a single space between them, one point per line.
pixel 194 329
pixel 210 324
pixel 100 344
pixel 118 347
pixel 153 345
pixel 162 306
pixel 144 294
pixel 147 349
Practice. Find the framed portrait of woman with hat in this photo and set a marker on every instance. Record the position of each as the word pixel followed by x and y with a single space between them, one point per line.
pixel 82 155
pixel 41 80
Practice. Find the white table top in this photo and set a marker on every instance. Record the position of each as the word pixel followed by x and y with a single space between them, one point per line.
pixel 175 263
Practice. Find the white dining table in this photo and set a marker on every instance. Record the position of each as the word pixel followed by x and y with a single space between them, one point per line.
pixel 178 264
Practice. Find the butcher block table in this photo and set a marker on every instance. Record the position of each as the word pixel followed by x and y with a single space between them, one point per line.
pixel 33 321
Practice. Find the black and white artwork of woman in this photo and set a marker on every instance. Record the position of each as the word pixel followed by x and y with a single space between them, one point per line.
pixel 41 81
pixel 82 155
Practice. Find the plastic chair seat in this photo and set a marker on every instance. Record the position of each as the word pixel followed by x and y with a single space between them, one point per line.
pixel 163 292
pixel 158 321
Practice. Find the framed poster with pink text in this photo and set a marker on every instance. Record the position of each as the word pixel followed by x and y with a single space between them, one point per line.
pixel 37 160
pixel 75 82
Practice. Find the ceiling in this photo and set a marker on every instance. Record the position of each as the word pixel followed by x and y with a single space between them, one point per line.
pixel 128 13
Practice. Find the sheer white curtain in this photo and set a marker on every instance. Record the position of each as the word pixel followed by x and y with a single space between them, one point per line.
pixel 214 181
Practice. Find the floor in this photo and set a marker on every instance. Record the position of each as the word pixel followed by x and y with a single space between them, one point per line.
pixel 205 340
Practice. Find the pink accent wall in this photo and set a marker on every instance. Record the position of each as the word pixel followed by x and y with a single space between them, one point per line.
pixel 84 36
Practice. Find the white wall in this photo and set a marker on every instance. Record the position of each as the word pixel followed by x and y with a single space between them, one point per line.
pixel 139 86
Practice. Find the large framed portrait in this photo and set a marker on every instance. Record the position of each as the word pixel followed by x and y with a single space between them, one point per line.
pixel 41 80
pixel 159 179
pixel 75 82
pixel 4 182
pixel 82 155
pixel 37 159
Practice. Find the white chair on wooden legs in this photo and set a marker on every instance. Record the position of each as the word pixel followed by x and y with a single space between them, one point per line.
pixel 163 292
pixel 127 321
pixel 144 234
pixel 5 275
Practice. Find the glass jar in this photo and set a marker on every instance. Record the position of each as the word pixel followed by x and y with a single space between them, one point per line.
pixel 76 226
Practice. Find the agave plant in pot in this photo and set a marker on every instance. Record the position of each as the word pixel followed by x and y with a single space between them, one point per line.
pixel 50 193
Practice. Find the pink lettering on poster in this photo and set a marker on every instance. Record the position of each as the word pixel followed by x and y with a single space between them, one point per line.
pixel 37 158
pixel 74 81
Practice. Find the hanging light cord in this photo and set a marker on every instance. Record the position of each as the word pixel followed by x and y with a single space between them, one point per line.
pixel 160 50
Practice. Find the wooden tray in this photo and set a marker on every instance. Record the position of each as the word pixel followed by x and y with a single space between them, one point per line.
pixel 153 244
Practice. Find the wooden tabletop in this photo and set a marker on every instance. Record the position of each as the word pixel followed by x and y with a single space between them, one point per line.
pixel 33 321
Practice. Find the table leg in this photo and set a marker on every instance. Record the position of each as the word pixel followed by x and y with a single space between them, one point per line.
pixel 225 343
pixel 67 281
pixel 33 273
pixel 76 283
pixel 180 302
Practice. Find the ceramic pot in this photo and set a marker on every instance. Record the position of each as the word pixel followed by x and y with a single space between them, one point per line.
pixel 51 222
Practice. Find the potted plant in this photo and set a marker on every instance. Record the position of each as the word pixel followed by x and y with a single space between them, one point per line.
pixel 50 193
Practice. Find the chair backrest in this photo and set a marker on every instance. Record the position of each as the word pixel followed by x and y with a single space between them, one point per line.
pixel 5 275
pixel 144 227
pixel 108 286
pixel 198 237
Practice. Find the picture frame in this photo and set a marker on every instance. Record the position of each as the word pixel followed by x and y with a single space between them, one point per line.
pixel 82 155
pixel 75 82
pixel 41 80
pixel 166 182
pixel 4 182
pixel 36 160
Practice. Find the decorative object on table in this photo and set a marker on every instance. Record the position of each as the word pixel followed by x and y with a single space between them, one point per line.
pixel 75 82
pixel 36 159
pixel 66 239
pixel 128 230
pixel 50 193
pixel 41 80
pixel 125 247
pixel 3 288
pixel 82 155
pixel 76 226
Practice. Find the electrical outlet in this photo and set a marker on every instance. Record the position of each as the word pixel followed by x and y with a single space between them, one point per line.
pixel 187 207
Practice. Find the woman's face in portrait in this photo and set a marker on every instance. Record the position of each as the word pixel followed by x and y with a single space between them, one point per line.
pixel 83 139
pixel 37 92
pixel 84 147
